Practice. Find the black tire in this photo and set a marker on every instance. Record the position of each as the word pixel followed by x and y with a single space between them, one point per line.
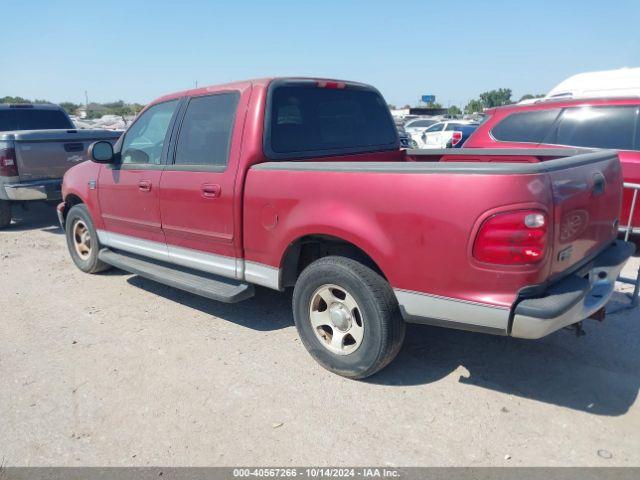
pixel 90 264
pixel 384 327
pixel 5 213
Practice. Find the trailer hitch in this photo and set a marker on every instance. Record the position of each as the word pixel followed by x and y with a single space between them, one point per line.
pixel 577 328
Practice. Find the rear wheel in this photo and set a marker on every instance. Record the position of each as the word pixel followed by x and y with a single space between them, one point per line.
pixel 347 317
pixel 82 241
pixel 5 213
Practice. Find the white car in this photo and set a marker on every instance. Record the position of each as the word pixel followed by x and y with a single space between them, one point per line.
pixel 416 127
pixel 439 134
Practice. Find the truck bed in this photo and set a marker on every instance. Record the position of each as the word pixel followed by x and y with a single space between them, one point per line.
pixel 48 154
pixel 418 220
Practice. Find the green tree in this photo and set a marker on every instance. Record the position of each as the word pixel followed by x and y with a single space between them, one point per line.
pixel 9 99
pixel 496 98
pixel 454 110
pixel 474 106
pixel 118 107
pixel 70 107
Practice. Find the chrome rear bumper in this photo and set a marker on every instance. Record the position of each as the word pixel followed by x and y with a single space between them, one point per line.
pixel 35 190
pixel 573 298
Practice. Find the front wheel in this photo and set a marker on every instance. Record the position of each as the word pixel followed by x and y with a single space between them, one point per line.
pixel 347 317
pixel 82 240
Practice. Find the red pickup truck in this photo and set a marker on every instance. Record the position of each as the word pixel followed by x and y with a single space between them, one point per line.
pixel 301 183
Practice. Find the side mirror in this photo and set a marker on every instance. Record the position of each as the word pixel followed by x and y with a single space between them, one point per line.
pixel 101 152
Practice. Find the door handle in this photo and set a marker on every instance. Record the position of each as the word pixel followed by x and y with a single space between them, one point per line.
pixel 144 185
pixel 211 190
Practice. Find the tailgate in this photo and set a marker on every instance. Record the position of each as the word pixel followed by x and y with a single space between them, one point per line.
pixel 587 198
pixel 49 154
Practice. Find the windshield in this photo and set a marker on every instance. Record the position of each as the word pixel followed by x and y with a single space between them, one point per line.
pixel 32 119
pixel 305 120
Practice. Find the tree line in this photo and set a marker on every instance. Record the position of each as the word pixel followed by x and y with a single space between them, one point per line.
pixel 489 99
pixel 95 110
pixel 495 98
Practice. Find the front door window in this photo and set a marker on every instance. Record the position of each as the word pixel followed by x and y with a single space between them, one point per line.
pixel 144 141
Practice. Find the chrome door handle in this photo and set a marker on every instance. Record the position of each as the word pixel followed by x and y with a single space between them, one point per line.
pixel 211 190
pixel 144 185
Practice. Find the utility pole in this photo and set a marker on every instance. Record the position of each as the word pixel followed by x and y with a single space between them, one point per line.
pixel 196 82
pixel 86 99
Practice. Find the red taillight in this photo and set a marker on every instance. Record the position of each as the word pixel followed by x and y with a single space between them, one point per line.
pixel 8 164
pixel 512 238
pixel 455 138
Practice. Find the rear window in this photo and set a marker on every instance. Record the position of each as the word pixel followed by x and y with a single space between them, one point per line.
pixel 32 119
pixel 456 126
pixel 421 123
pixel 530 127
pixel 436 127
pixel 596 127
pixel 305 120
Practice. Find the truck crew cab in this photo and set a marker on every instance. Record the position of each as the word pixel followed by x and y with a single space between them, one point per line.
pixel 296 182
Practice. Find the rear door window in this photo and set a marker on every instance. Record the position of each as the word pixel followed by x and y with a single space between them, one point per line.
pixel 596 127
pixel 32 119
pixel 306 120
pixel 205 134
pixel 530 127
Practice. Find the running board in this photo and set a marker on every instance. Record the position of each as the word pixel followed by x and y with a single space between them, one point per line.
pixel 205 285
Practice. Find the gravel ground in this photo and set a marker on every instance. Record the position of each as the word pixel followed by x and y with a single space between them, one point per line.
pixel 115 370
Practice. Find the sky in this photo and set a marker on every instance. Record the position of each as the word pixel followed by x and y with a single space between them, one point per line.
pixel 138 50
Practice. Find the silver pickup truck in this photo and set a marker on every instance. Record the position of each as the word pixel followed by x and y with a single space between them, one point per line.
pixel 38 144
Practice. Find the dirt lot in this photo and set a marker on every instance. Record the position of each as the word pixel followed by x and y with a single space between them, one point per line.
pixel 113 369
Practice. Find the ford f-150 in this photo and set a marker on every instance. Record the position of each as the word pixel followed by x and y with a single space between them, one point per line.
pixel 301 183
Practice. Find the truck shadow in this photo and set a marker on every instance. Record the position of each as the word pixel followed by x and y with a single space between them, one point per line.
pixel 266 311
pixel 38 216
pixel 598 373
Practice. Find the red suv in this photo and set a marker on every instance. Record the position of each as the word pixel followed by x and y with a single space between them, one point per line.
pixel 592 123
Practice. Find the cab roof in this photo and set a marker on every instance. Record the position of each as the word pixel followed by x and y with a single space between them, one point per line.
pixel 546 103
pixel 241 85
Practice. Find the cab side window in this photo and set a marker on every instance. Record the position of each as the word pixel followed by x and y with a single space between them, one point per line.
pixel 144 141
pixel 205 134
pixel 531 127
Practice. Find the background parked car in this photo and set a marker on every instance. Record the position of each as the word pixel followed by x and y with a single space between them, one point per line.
pixel 461 134
pixel 405 139
pixel 416 127
pixel 593 123
pixel 439 134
